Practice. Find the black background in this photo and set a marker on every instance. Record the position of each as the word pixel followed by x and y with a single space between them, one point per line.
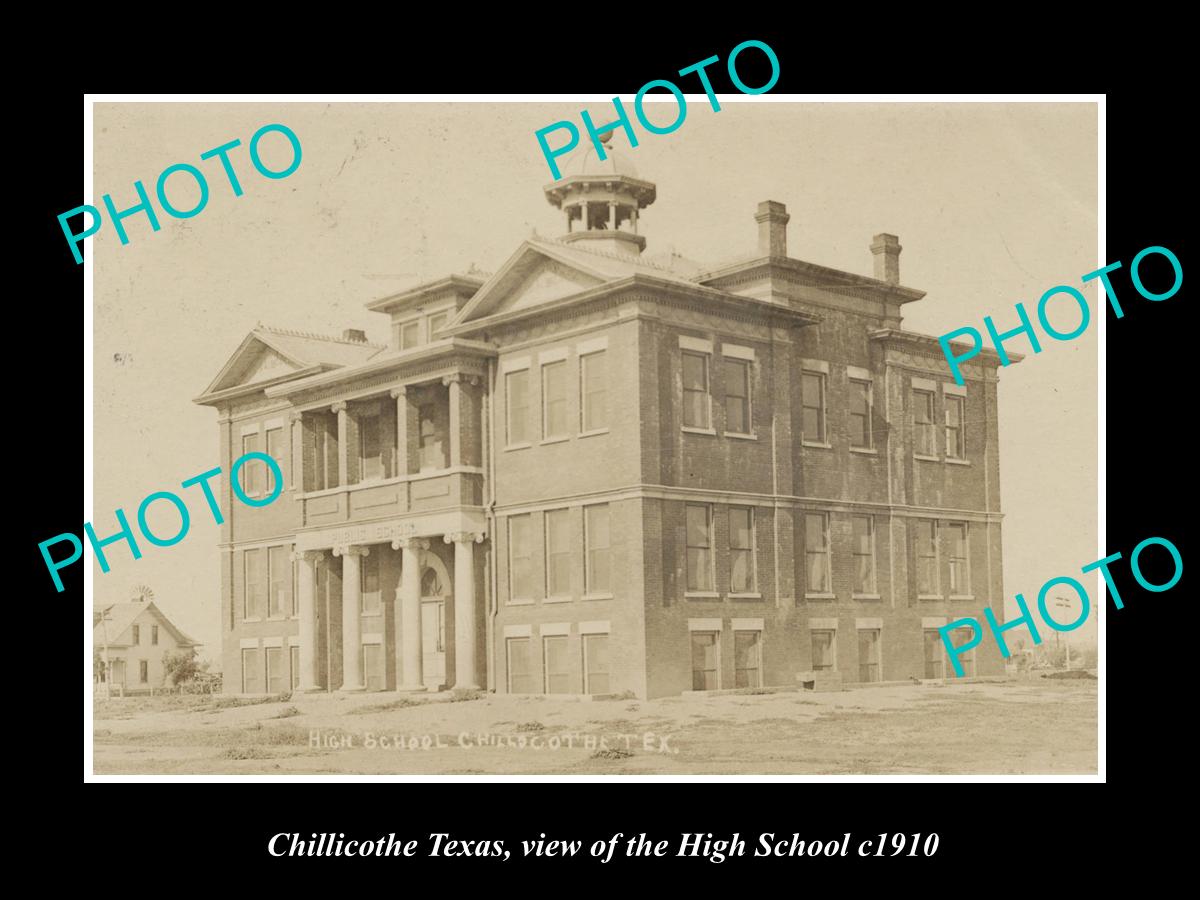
pixel 985 829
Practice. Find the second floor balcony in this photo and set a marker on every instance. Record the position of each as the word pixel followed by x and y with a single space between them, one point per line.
pixel 397 450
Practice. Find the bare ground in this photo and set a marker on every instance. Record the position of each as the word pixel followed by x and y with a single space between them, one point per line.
pixel 1018 727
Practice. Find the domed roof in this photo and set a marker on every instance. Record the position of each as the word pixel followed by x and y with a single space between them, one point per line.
pixel 588 162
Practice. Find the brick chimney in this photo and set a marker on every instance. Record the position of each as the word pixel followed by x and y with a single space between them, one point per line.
pixel 772 219
pixel 886 248
pixel 354 334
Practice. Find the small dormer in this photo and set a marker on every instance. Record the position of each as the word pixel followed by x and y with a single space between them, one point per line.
pixel 419 314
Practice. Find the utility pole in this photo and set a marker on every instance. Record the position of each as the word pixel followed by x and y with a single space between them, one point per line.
pixel 1063 603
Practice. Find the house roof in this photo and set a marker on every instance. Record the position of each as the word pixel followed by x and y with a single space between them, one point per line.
pixel 297 354
pixel 122 615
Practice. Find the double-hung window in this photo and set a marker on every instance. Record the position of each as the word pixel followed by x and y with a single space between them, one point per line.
pixel 817 553
pixel 737 396
pixel 812 403
pixel 924 429
pixel 955 431
pixel 863 528
pixel 699 548
pixel 697 407
pixel 741 550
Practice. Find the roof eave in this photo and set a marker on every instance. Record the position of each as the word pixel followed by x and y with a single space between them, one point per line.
pixel 421 291
pixel 445 347
pixel 634 281
pixel 212 398
pixel 927 341
pixel 836 277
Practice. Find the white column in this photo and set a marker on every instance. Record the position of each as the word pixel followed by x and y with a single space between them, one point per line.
pixel 408 596
pixel 343 431
pixel 400 395
pixel 584 219
pixel 612 215
pixel 351 617
pixel 465 676
pixel 455 383
pixel 306 586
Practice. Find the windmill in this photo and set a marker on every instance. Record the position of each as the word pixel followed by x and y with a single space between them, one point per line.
pixel 141 593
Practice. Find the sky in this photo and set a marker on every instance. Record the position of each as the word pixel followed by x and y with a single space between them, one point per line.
pixel 993 203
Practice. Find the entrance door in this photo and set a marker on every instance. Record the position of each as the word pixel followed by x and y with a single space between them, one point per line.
pixel 433 630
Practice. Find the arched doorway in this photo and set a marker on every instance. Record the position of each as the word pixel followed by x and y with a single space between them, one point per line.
pixel 435 588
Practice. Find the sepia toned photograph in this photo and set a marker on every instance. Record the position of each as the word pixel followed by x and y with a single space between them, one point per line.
pixel 655 468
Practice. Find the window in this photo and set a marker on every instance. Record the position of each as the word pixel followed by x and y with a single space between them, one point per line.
pixel 277 572
pixel 432 449
pixel 252 564
pixel 370 444
pixel 325 450
pixel 143 671
pixel 593 387
pixel 935 660
pixel 558 553
pixel 960 564
pixel 554 400
pixel 520 666
pixel 556 665
pixel 373 666
pixel 595 664
pixel 737 396
pixel 410 334
pixel 154 635
pixel 741 550
pixel 274 669
pixel 251 676
pixel 596 573
pixel 372 596
pixel 696 406
pixel 816 553
pixel 520 557
pixel 275 451
pixel 966 659
pixel 924 433
pixel 868 655
pixel 706 661
pixel 516 392
pixel 927 558
pixel 252 483
pixel 294 659
pixel 295 611
pixel 823 659
pixel 955 433
pixel 812 402
pixel 137 635
pixel 863 528
pixel 699 548
pixel 437 322
pixel 747 659
pixel 860 414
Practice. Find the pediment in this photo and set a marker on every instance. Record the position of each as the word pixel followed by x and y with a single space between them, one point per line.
pixel 531 277
pixel 254 361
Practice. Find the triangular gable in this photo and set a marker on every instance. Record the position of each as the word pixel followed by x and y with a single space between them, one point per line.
pixel 255 360
pixel 532 276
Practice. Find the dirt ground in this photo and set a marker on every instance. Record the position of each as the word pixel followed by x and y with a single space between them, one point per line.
pixel 1031 726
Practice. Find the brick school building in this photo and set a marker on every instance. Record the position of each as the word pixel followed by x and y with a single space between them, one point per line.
pixel 600 470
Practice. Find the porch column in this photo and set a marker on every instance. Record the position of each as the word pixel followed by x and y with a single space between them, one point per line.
pixel 408 598
pixel 455 383
pixel 612 215
pixel 351 616
pixel 306 587
pixel 343 429
pixel 464 608
pixel 400 395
